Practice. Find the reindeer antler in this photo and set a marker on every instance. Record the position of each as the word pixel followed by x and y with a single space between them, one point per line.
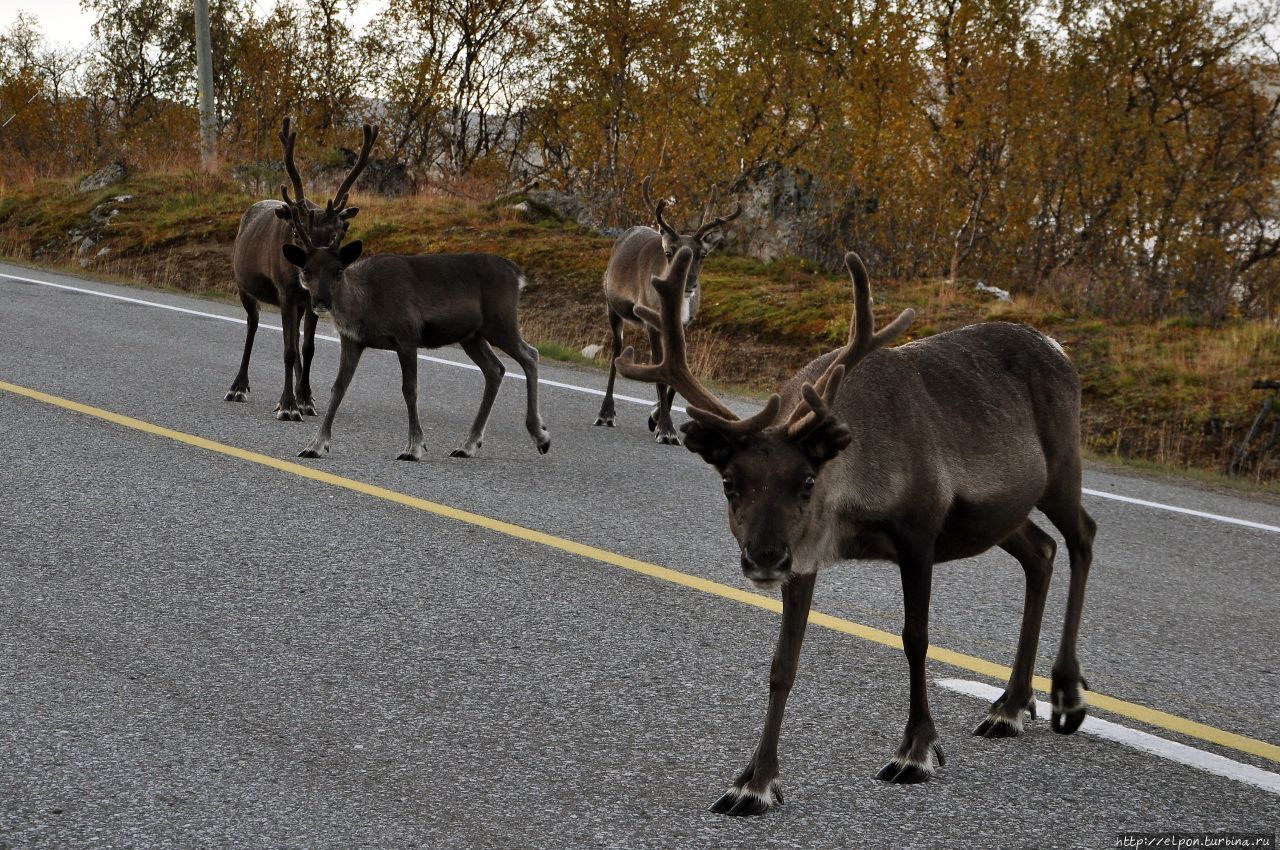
pixel 340 198
pixel 300 230
pixel 711 202
pixel 288 137
pixel 721 221
pixel 658 207
pixel 863 339
pixel 673 369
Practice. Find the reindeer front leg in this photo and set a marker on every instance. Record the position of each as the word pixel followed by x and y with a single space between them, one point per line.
pixel 915 759
pixel 306 402
pixel 351 352
pixel 756 789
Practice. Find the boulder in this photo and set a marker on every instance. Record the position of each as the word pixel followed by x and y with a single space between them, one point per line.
pixel 106 176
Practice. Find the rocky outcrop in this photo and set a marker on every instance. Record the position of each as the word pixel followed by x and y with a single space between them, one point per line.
pixel 108 175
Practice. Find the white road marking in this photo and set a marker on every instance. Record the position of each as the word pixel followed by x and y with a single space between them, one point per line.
pixel 1218 517
pixel 591 391
pixel 220 317
pixel 1143 741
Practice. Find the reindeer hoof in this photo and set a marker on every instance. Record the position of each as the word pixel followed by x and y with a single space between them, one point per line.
pixel 236 395
pixel 307 407
pixel 289 415
pixel 744 802
pixel 313 452
pixel 463 452
pixel 607 421
pixel 999 727
pixel 908 771
pixel 653 422
pixel 667 438
pixel 408 456
pixel 544 443
pixel 999 723
pixel 1068 704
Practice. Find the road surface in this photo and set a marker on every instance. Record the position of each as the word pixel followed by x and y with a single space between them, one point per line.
pixel 207 642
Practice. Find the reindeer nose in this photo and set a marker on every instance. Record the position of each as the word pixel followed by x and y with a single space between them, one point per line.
pixel 767 565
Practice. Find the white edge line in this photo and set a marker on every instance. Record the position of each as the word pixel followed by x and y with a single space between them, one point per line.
pixel 1219 517
pixel 1143 741
pixel 237 321
pixel 590 391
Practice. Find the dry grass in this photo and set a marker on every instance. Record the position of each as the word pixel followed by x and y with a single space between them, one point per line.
pixel 1174 392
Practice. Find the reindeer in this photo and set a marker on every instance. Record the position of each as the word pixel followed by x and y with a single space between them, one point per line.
pixel 928 452
pixel 638 255
pixel 402 303
pixel 262 274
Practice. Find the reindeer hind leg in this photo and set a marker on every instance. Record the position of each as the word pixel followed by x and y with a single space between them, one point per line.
pixel 1078 529
pixel 240 385
pixel 1034 550
pixel 493 370
pixel 608 414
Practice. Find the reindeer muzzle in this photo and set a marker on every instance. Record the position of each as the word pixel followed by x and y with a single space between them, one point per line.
pixel 767 567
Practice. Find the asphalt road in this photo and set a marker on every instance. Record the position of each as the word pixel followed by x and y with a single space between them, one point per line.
pixel 200 650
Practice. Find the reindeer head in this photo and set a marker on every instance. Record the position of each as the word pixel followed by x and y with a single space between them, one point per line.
pixel 328 225
pixel 771 467
pixel 321 269
pixel 705 237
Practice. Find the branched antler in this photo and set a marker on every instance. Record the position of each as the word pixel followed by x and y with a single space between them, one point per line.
pixel 863 339
pixel 719 221
pixel 673 369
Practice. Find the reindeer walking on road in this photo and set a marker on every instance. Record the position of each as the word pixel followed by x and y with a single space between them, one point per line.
pixel 405 302
pixel 928 452
pixel 638 255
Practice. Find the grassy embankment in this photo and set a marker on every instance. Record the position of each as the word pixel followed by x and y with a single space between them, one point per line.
pixel 1173 393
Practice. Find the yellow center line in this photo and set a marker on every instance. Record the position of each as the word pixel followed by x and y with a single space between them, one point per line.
pixel 971 663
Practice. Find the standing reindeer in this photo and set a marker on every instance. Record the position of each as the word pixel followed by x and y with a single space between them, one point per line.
pixel 403 303
pixel 638 255
pixel 263 275
pixel 924 453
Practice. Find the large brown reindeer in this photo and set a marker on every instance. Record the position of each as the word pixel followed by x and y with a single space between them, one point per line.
pixel 263 276
pixel 402 303
pixel 919 454
pixel 639 254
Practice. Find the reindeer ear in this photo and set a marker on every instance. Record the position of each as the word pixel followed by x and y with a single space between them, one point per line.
pixel 283 212
pixel 350 252
pixel 824 440
pixel 294 254
pixel 349 213
pixel 709 443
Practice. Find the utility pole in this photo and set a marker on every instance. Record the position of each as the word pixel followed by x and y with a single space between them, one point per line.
pixel 204 63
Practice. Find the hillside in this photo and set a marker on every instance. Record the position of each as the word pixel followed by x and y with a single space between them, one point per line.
pixel 1174 393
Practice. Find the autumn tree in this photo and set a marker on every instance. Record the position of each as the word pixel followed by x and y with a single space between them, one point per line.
pixel 457 77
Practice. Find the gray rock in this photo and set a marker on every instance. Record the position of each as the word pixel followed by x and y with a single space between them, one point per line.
pixel 86 244
pixel 572 208
pixel 994 291
pixel 102 178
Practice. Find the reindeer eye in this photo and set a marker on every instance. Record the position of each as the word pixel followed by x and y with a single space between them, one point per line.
pixel 806 489
pixel 729 489
pixel 668 254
